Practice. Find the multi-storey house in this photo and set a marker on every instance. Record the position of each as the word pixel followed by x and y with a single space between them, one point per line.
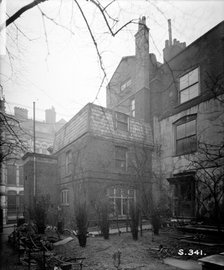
pixel 182 99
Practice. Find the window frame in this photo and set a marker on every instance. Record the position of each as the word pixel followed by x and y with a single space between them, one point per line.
pixel 115 197
pixel 12 174
pixel 190 85
pixel 120 160
pixel 132 107
pixel 65 196
pixel 119 122
pixel 180 122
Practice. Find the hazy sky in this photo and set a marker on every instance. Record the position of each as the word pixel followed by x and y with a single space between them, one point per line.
pixel 60 69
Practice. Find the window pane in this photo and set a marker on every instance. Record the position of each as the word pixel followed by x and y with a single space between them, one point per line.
pixel 184 96
pixel 121 117
pixel 191 128
pixel 111 191
pixel 21 179
pixel 11 174
pixel 192 143
pixel 193 91
pixel 118 192
pixel 180 146
pixel 131 193
pixel 193 76
pixel 181 132
pixel 122 126
pixel 125 193
pixel 118 206
pixel 125 206
pixel 184 82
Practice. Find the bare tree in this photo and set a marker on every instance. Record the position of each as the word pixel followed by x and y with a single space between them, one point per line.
pixel 12 143
pixel 208 162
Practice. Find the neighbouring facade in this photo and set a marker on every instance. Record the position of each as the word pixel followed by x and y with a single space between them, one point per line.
pixel 12 177
pixel 182 99
pixel 101 154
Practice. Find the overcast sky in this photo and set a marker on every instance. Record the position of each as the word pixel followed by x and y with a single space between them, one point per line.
pixel 60 69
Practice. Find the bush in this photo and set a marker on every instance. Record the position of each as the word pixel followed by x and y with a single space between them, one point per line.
pixel 134 215
pixel 156 222
pixel 81 217
pixel 104 220
pixel 39 214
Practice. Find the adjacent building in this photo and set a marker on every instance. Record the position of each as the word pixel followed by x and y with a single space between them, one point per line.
pixel 12 177
pixel 182 99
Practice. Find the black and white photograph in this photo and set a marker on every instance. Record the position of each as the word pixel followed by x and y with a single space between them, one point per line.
pixel 111 134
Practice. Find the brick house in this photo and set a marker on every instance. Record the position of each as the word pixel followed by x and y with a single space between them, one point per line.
pixel 99 153
pixel 182 99
pixel 12 177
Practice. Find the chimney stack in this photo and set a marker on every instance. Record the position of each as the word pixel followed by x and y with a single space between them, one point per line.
pixel 21 113
pixel 50 116
pixel 170 32
pixel 172 47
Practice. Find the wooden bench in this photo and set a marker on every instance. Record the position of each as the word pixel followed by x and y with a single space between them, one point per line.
pixel 213 262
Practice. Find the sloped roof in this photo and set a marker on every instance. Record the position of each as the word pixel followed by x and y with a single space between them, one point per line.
pixel 99 121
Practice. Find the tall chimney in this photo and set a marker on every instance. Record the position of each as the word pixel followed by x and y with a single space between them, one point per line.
pixel 50 116
pixel 170 32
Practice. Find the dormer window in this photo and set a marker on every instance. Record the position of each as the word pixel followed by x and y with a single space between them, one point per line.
pixel 189 85
pixel 125 84
pixel 121 121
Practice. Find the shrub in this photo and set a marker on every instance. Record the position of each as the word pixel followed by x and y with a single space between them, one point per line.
pixel 104 220
pixel 39 215
pixel 81 217
pixel 156 222
pixel 134 215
